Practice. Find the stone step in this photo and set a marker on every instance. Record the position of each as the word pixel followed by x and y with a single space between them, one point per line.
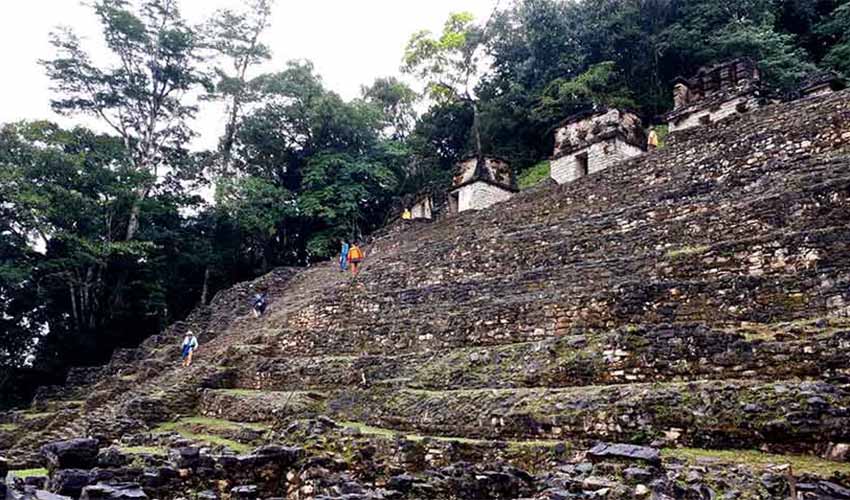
pixel 261 406
pixel 786 416
pixel 817 348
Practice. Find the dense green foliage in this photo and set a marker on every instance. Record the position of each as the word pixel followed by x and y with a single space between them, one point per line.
pixel 104 238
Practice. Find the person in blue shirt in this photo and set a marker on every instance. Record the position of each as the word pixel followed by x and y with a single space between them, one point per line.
pixel 343 257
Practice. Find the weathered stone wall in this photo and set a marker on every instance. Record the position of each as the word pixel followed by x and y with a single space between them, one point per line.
pixel 734 413
pixel 674 236
pixel 600 155
pixel 698 116
pixel 480 195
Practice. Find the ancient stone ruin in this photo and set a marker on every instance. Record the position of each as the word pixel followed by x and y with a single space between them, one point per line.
pixel 423 208
pixel 678 329
pixel 480 183
pixel 714 93
pixel 593 141
pixel 822 83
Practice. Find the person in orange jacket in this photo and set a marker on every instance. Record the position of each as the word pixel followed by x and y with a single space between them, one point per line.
pixel 355 257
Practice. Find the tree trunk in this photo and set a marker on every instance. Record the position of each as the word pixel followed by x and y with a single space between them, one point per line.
pixel 133 225
pixel 206 290
pixel 476 129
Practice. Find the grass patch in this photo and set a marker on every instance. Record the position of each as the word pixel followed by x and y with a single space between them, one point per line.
pixel 8 427
pixel 687 251
pixel 205 438
pixel 24 473
pixel 799 463
pixel 210 423
pixel 216 440
pixel 187 427
pixel 391 434
pixel 533 174
pixel 144 450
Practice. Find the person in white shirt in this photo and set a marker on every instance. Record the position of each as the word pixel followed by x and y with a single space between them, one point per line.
pixel 190 345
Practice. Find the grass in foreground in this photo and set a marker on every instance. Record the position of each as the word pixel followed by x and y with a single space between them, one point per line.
pixel 24 473
pixel 188 428
pixel 799 463
pixel 390 434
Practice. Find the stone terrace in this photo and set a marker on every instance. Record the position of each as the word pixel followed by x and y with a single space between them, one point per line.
pixel 697 296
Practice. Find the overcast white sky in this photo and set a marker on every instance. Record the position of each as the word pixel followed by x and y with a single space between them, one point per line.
pixel 351 42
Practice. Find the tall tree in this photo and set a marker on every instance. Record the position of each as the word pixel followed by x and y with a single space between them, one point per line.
pixel 146 96
pixel 397 101
pixel 450 65
pixel 235 37
pixel 836 30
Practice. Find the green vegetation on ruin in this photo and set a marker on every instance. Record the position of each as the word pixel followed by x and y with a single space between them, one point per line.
pixel 687 251
pixel 534 174
pixel 8 427
pixel 799 463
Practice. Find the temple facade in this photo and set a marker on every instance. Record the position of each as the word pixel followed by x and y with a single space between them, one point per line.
pixel 822 83
pixel 481 182
pixel 423 208
pixel 714 93
pixel 590 142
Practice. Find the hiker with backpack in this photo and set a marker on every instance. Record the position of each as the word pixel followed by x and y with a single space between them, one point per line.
pixel 259 304
pixel 355 257
pixel 190 345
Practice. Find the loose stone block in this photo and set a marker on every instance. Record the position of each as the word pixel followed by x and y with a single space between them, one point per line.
pixel 71 454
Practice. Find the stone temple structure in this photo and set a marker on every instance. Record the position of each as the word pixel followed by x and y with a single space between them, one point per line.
pixel 481 182
pixel 423 207
pixel 714 93
pixel 822 83
pixel 675 330
pixel 593 141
